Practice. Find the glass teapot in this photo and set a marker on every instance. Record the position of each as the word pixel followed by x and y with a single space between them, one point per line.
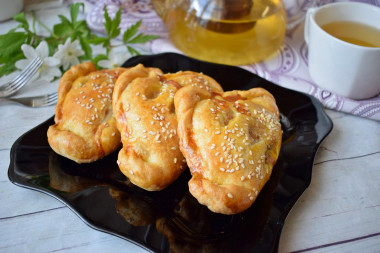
pixel 233 32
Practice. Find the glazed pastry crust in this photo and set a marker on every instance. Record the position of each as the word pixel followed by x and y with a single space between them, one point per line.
pixel 195 79
pixel 144 110
pixel 231 142
pixel 85 129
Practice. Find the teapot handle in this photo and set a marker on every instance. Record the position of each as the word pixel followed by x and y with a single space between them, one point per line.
pixel 296 11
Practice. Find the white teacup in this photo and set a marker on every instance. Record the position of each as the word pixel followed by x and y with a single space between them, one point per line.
pixel 344 68
pixel 9 8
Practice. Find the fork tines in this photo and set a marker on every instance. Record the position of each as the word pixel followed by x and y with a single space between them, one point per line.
pixel 22 79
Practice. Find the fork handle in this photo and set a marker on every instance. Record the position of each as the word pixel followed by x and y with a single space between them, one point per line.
pixel 7 100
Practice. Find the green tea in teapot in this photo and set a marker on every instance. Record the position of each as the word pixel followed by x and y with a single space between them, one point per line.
pixel 233 32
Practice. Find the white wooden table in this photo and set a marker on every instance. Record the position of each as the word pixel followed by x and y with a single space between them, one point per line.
pixel 339 212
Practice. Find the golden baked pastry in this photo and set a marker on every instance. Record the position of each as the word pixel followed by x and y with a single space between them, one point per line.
pixel 85 129
pixel 144 111
pixel 143 104
pixel 190 78
pixel 231 142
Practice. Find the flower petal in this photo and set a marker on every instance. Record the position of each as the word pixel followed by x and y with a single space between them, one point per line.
pixel 105 64
pixel 52 61
pixel 28 51
pixel 43 49
pixel 49 74
pixel 21 64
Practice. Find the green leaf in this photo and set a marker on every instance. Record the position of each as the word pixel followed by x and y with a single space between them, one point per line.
pixel 141 38
pixel 6 69
pixel 98 40
pixel 115 30
pixel 112 25
pixel 98 58
pixel 21 19
pixel 131 31
pixel 15 29
pixel 107 22
pixel 64 20
pixel 74 10
pixel 62 30
pixel 9 64
pixel 11 43
pixel 86 47
pixel 133 51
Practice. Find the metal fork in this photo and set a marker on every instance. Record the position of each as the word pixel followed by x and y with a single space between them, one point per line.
pixel 23 78
pixel 37 101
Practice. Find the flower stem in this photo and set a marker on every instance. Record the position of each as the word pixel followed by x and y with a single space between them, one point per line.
pixel 42 25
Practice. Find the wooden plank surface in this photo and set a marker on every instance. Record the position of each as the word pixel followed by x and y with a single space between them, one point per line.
pixel 339 212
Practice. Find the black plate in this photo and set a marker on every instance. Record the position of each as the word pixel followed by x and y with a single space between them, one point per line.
pixel 172 220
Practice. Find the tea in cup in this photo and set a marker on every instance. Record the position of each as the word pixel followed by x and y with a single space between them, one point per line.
pixel 344 48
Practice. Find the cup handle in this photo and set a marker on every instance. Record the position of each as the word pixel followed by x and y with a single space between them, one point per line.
pixel 307 23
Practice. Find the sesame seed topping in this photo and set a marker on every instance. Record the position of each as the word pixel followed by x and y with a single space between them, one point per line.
pixel 230 195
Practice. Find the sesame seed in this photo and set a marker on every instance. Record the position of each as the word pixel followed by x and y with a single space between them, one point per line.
pixel 175 160
pixel 230 195
pixel 222 169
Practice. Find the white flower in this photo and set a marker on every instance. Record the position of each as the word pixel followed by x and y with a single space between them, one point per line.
pixel 50 66
pixel 69 53
pixel 115 60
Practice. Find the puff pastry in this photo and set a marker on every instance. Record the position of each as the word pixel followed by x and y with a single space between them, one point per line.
pixel 85 129
pixel 231 142
pixel 143 103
